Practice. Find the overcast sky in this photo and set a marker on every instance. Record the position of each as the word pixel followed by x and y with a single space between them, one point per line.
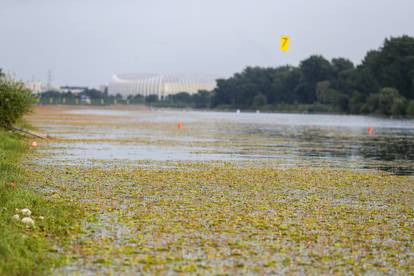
pixel 84 42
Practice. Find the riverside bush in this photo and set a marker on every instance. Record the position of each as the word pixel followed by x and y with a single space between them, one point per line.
pixel 15 101
pixel 410 108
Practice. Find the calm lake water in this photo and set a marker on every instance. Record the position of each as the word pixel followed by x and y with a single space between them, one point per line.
pixel 289 139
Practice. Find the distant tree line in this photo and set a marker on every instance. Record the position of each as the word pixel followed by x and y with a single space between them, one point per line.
pixel 382 84
pixel 96 97
pixel 202 99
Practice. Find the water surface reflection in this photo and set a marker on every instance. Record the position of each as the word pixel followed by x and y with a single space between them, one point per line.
pixel 291 139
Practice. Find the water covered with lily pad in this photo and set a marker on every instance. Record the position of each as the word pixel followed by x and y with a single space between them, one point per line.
pixel 229 194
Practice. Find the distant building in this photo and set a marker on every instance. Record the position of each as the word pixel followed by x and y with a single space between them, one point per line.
pixel 35 86
pixel 85 99
pixel 160 85
pixel 73 89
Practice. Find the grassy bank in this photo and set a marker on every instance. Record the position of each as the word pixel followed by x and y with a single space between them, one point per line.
pixel 28 250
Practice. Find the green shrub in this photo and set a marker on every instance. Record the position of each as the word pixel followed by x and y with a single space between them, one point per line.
pixel 410 108
pixel 259 100
pixel 388 102
pixel 15 101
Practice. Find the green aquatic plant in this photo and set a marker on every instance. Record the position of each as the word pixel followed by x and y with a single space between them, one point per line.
pixel 217 217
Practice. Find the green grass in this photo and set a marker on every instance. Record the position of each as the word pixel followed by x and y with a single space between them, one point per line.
pixel 28 250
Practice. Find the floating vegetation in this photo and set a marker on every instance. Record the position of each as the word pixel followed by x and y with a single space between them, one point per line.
pixel 222 218
pixel 322 214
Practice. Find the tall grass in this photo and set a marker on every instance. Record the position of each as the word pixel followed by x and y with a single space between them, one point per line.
pixel 26 250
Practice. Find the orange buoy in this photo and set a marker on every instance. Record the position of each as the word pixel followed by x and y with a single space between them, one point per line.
pixel 180 125
pixel 370 130
pixel 34 144
pixel 12 185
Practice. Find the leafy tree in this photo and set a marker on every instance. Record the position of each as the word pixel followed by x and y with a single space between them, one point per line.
pixel 224 93
pixel 202 99
pixel 259 100
pixel 398 106
pixel 410 108
pixel 323 93
pixel 285 80
pixel 342 72
pixel 341 64
pixel 246 91
pixel 134 99
pixel 363 81
pixel 15 101
pixel 93 94
pixel 314 69
pixel 388 102
pixel 240 89
pixel 393 65
pixel 151 99
pixel 356 103
pixel 327 95
pixel 261 78
pixel 51 94
pixel 305 92
pixel 182 97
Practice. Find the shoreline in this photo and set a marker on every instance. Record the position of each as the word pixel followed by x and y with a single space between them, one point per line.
pixel 26 250
pixel 145 107
pixel 221 217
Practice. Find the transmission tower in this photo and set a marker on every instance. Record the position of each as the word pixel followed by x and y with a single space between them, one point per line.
pixel 49 79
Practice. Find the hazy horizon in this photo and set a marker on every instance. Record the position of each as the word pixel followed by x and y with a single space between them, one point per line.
pixel 86 42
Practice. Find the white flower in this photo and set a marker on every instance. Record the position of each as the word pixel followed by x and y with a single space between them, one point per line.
pixel 41 217
pixel 26 212
pixel 16 217
pixel 28 221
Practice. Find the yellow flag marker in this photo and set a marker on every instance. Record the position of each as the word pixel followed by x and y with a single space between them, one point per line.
pixel 284 43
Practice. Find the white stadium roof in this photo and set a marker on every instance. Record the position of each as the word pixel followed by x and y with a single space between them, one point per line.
pixel 161 84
